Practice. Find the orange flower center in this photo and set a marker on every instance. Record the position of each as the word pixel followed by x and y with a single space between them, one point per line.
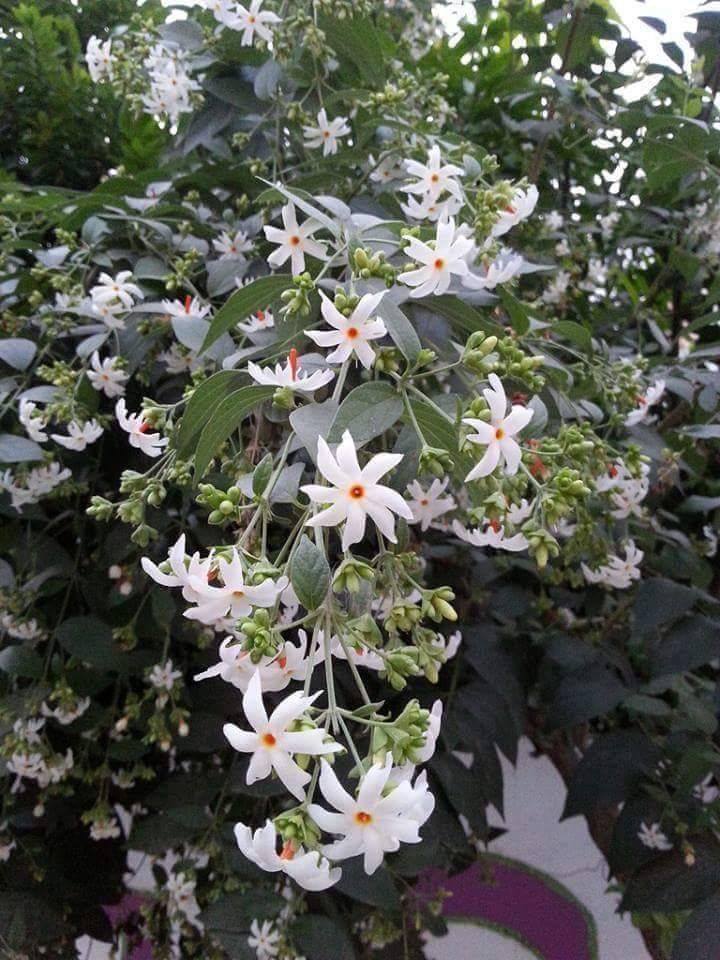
pixel 434 178
pixel 499 433
pixel 424 502
pixel 293 361
pixel 268 740
pixel 363 818
pixel 352 332
pixel 326 133
pixel 294 241
pixel 188 303
pixel 239 594
pixel 260 314
pixel 288 851
pixel 439 263
pixel 357 492
pixel 510 209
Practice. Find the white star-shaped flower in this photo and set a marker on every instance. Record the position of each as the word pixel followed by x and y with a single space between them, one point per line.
pixel 272 743
pixel 294 241
pixel 106 376
pixel 190 307
pixel 498 434
pixel 351 334
pixel 290 376
pixel 137 427
pixel 232 247
pixel 254 20
pixel 119 288
pixel 492 536
pixel 440 261
pixel 428 505
pixel 80 435
pixel 355 493
pixel 433 177
pixel 33 420
pixel 308 869
pixel 326 133
pixel 519 208
pixel 234 597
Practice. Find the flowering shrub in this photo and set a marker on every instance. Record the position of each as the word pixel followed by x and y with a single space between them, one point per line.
pixel 316 493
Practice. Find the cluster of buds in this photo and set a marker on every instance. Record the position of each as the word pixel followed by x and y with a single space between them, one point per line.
pixel 404 737
pixel 367 264
pixel 261 638
pixel 297 297
pixel 351 574
pixel 478 354
pixel 222 504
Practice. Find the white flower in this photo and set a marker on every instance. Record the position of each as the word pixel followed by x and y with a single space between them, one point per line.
pixel 64 715
pixel 264 940
pixel 179 359
pixel 355 493
pixel 389 168
pixel 434 177
pixel 98 57
pixel 519 208
pixel 554 220
pixel 710 546
pixel 440 261
pixel 107 829
pixel 492 536
pixel 6 847
pixel 617 573
pixel 431 734
pixel 272 744
pixel 182 902
pixel 449 645
pixel 236 667
pixel 136 426
pixel 260 320
pixel 556 290
pixel 117 289
pixel 234 598
pixel 350 334
pixel 518 513
pixel 497 435
pixel 326 134
pixel 653 837
pixel 370 824
pixel 294 241
pixel 111 314
pixel 106 376
pixel 79 435
pixel 503 268
pixel 254 20
pixel 357 654
pixel 429 208
pixel 428 505
pixel 290 376
pixel 184 309
pixel 653 395
pixel 310 870
pixel 163 676
pixel 231 247
pixel 32 419
pixel 608 223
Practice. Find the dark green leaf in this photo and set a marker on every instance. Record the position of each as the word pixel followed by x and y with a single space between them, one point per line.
pixel 200 407
pixel 315 935
pixel 257 295
pixel 90 640
pixel 699 937
pixel 310 574
pixel 367 411
pixel 225 420
pixel 668 884
pixel 401 330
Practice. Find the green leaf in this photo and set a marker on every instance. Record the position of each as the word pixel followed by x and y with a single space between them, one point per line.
pixel 90 640
pixel 17 353
pixel 667 884
pixel 609 771
pixel 228 919
pixel 377 890
pixel 315 935
pixel 311 421
pixel 21 661
pixel 690 644
pixel 310 574
pixel 257 295
pixel 261 475
pixel 698 939
pixel 584 695
pixel 437 430
pixel 15 449
pixel 575 333
pixel 462 316
pixel 226 418
pixel 367 411
pixel 401 330
pixel 201 405
pixel 358 43
pixel 660 601
pixel 516 310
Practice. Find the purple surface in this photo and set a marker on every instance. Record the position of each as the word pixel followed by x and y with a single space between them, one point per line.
pixel 506 895
pixel 123 911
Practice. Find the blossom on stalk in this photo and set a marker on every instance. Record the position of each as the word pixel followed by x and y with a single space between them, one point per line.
pixel 493 536
pixel 355 493
pixel 107 376
pixel 190 307
pixel 234 597
pixel 137 427
pixel 428 505
pixel 272 741
pixel 117 290
pixel 433 177
pixel 386 170
pixel 519 208
pixel 33 420
pixel 429 208
pixel 264 940
pixel 439 262
pixel 326 133
pixel 308 869
pixel 294 241
pixel 98 57
pixel 370 824
pixel 196 572
pixel 653 838
pixel 652 395
pixel 79 435
pixel 254 20
pixel 290 376
pixel 236 666
pixel 497 435
pixel 231 247
pixel 617 572
pixel 164 676
pixel 350 334
pixel 502 269
pixel 260 320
